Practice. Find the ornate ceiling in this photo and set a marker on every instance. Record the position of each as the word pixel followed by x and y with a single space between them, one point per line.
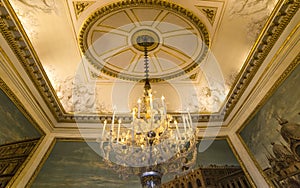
pixel 71 61
pixel 86 55
pixel 108 40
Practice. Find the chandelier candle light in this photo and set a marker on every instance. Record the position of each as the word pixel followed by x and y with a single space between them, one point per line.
pixel 154 143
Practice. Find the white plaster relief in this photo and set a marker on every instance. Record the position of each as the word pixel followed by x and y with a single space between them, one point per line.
pixel 206 99
pixel 230 80
pixel 255 26
pixel 256 11
pixel 210 98
pixel 28 12
pixel 76 96
pixel 80 97
pixel 46 6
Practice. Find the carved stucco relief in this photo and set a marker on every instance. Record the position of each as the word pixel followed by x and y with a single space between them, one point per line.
pixel 210 98
pixel 256 11
pixel 28 10
pixel 76 96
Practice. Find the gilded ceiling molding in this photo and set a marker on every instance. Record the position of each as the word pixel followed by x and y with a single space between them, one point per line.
pixel 122 5
pixel 95 76
pixel 80 6
pixel 15 36
pixel 209 12
pixel 261 50
pixel 193 76
pixel 13 32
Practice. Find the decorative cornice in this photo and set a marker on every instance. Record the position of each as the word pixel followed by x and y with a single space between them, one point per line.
pixel 11 29
pixel 261 50
pixel 279 81
pixel 15 36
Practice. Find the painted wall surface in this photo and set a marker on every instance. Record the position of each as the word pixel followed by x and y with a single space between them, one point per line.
pixel 75 164
pixel 264 128
pixel 218 153
pixel 14 126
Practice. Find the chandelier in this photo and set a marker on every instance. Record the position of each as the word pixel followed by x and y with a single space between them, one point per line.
pixel 154 143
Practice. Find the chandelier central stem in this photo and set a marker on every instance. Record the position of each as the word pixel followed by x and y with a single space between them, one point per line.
pixel 146 41
pixel 147 86
pixel 153 143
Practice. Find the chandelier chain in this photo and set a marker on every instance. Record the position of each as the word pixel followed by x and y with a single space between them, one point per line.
pixel 154 143
pixel 146 63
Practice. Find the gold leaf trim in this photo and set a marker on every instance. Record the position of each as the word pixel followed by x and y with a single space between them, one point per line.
pixel 165 5
pixel 80 6
pixel 260 51
pixel 209 12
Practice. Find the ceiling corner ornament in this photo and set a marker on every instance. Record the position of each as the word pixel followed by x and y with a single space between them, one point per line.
pixel 209 12
pixel 80 6
pixel 94 75
pixel 167 22
pixel 193 76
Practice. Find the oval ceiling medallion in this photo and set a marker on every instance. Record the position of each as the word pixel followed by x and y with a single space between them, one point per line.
pixel 108 39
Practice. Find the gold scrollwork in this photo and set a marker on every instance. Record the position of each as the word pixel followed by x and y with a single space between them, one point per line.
pixel 80 6
pixel 210 13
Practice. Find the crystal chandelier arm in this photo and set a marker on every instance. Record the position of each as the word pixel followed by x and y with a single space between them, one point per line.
pixel 153 143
